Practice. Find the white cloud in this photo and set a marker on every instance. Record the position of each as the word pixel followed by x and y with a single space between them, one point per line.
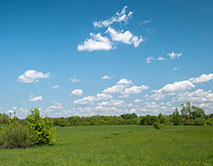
pixel 56 106
pixel 174 55
pixel 125 37
pixel 202 78
pixel 118 17
pixel 55 87
pixel 176 68
pixel 76 92
pixel 133 90
pixel 118 88
pixel 74 80
pixel 138 101
pixel 36 98
pixel 171 89
pixel 161 58
pixel 30 76
pixel 13 108
pixel 91 99
pixel 124 81
pixel 106 77
pixel 111 103
pixel 150 59
pixel 97 42
pixel 198 96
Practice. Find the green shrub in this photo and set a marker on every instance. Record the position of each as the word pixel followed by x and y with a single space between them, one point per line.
pixel 209 122
pixel 41 127
pixel 157 125
pixel 16 136
pixel 199 122
pixel 189 122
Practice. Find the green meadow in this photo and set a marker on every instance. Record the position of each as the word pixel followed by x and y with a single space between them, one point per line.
pixel 119 146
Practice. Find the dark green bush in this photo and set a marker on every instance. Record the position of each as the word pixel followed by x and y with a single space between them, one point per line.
pixel 157 125
pixel 209 122
pixel 41 127
pixel 16 136
pixel 199 122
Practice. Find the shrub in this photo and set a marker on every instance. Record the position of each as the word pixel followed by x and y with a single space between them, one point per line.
pixel 157 125
pixel 209 122
pixel 189 122
pixel 41 127
pixel 199 122
pixel 16 136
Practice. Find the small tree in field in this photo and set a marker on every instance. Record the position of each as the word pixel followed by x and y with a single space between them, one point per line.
pixel 41 127
pixel 157 125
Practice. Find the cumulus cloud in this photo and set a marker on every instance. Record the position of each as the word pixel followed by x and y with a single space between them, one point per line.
pixel 174 55
pixel 56 106
pixel 96 42
pixel 76 92
pixel 118 17
pixel 125 37
pixel 112 37
pixel 161 58
pixel 171 89
pixel 91 99
pixel 106 77
pixel 118 88
pixel 138 100
pixel 30 76
pixel 202 78
pixel 133 90
pixel 150 59
pixel 35 98
pixel 55 87
pixel 74 80
pixel 197 96
pixel 111 103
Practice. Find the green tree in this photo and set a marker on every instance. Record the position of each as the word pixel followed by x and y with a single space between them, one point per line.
pixel 129 116
pixel 41 127
pixel 176 118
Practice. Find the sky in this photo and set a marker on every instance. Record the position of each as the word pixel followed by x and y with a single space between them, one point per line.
pixel 85 58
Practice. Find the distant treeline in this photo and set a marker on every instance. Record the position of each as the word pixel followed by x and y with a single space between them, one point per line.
pixel 188 115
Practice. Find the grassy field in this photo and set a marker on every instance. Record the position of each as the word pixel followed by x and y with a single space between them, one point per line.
pixel 119 146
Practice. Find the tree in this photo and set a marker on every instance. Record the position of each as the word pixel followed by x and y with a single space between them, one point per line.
pixel 162 119
pixel 186 111
pixel 41 127
pixel 129 116
pixel 176 118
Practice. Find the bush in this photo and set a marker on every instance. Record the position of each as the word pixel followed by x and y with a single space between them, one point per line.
pixel 16 136
pixel 189 122
pixel 209 122
pixel 41 127
pixel 157 125
pixel 199 122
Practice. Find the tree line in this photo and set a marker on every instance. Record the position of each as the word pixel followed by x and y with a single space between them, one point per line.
pixel 188 115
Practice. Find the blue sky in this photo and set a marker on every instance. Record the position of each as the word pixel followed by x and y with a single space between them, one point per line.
pixel 105 57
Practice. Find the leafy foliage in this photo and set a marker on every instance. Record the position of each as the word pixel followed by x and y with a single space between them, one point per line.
pixel 16 136
pixel 41 127
pixel 209 122
pixel 176 118
pixel 157 125
pixel 129 116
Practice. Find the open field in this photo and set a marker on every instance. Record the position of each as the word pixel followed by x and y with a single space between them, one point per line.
pixel 119 145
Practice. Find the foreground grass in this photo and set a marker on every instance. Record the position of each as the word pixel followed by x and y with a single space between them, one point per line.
pixel 119 145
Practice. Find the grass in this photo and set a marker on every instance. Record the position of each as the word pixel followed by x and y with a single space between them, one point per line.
pixel 119 146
